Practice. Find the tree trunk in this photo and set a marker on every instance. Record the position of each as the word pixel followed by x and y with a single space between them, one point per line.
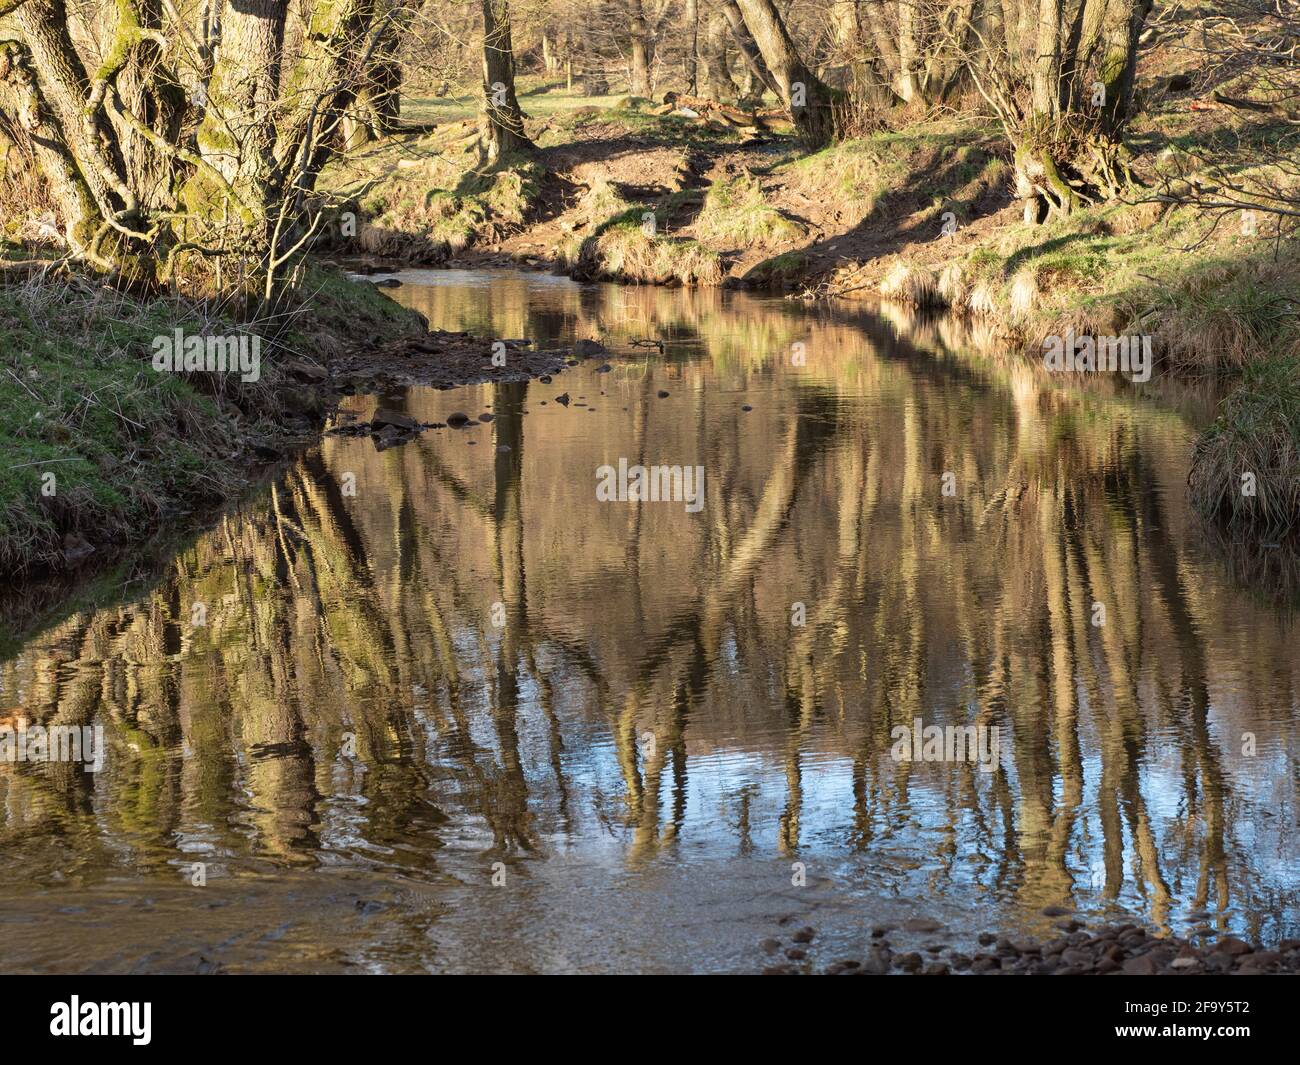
pixel 63 85
pixel 1120 34
pixel 716 82
pixel 378 104
pixel 21 97
pixel 908 58
pixel 748 49
pixel 807 98
pixel 503 121
pixel 848 50
pixel 692 16
pixel 1046 84
pixel 640 34
pixel 238 132
pixel 149 92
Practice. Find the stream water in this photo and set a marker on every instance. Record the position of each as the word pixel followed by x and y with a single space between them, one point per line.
pixel 440 707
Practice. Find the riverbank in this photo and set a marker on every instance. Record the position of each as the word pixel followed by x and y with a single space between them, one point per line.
pixel 920 213
pixel 102 450
pixel 1127 949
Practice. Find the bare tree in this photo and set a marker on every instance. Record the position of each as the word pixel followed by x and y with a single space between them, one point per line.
pixel 1259 176
pixel 1059 74
pixel 807 97
pixel 760 77
pixel 691 14
pixel 640 37
pixel 716 81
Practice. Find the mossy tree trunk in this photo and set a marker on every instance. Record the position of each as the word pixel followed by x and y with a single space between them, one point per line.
pixel 21 98
pixel 94 150
pixel 1079 59
pixel 502 126
pixel 378 104
pixel 138 193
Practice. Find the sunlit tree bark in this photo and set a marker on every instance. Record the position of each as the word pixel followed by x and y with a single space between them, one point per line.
pixel 805 95
pixel 503 121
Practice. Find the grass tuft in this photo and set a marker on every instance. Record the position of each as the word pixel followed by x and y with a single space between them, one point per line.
pixel 1254 444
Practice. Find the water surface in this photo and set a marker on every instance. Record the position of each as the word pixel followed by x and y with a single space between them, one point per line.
pixel 447 711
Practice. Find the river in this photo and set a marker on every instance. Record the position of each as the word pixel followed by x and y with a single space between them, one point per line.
pixel 439 707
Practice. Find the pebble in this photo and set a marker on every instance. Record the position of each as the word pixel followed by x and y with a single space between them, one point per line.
pixel 1126 949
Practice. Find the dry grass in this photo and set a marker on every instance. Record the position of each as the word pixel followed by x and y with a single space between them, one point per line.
pixel 622 249
pixel 736 214
pixel 1254 443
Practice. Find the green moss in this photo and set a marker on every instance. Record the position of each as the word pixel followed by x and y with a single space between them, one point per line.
pixel 624 249
pixel 345 308
pixel 435 208
pixel 783 269
pixel 96 443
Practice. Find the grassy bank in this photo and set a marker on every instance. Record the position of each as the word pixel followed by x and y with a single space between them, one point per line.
pixel 1246 467
pixel 100 449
